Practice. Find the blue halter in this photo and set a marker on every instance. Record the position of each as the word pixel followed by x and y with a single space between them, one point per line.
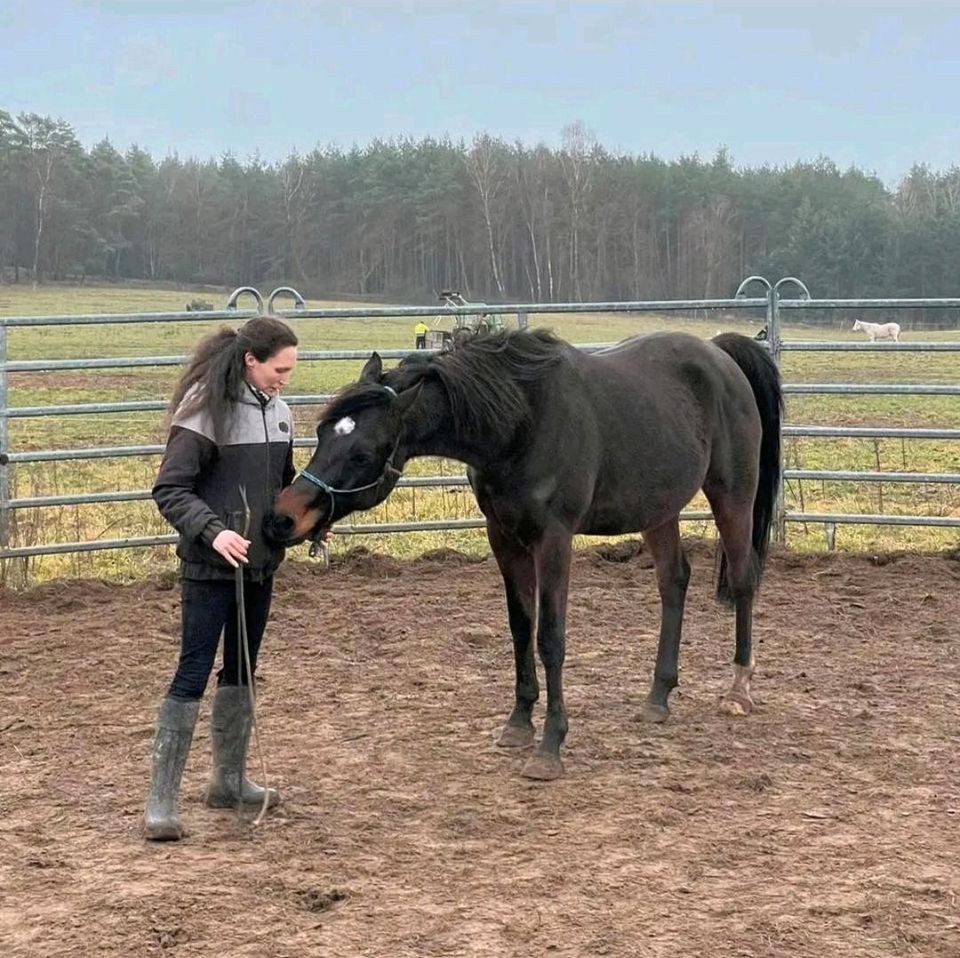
pixel 331 490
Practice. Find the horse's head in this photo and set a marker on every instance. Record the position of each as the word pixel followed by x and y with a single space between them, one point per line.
pixel 856 325
pixel 355 464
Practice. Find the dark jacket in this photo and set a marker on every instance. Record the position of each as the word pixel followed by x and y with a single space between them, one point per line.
pixel 198 486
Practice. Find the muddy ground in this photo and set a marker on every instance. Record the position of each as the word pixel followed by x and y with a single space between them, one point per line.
pixel 825 823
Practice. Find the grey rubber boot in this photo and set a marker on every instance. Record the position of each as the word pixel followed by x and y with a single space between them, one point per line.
pixel 171 743
pixel 230 726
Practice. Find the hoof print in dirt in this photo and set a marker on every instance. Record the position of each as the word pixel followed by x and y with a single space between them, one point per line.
pixel 315 900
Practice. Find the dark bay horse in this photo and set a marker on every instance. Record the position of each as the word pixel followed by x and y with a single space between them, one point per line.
pixel 560 442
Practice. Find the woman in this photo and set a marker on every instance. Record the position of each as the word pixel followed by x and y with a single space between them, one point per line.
pixel 230 435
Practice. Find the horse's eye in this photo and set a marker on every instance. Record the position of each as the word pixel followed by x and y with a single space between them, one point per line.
pixel 360 458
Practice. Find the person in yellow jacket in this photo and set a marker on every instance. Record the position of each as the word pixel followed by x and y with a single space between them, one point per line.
pixel 420 331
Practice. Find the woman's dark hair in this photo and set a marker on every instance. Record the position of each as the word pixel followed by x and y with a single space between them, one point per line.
pixel 215 375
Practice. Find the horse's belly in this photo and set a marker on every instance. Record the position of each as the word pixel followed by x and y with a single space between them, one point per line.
pixel 610 526
pixel 629 515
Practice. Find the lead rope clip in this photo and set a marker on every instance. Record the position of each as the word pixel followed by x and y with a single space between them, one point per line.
pixel 319 548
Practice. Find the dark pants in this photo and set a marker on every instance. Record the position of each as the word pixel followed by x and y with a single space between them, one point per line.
pixel 421 341
pixel 208 608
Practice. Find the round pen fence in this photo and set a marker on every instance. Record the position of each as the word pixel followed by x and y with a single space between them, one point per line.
pixel 804 302
pixel 770 304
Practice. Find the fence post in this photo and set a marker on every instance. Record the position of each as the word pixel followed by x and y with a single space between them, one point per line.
pixel 4 443
pixel 773 338
pixel 773 344
pixel 522 319
pixel 773 334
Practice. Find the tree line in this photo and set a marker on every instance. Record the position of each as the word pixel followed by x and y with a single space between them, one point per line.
pixel 500 221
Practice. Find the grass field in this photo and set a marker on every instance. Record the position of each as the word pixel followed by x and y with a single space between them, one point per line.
pixel 32 526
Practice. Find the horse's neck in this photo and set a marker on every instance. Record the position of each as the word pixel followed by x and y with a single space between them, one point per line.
pixel 430 431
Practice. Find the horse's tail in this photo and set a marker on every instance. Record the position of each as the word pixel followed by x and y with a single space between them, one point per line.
pixel 761 371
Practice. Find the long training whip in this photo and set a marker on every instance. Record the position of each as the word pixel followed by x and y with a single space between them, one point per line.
pixel 243 651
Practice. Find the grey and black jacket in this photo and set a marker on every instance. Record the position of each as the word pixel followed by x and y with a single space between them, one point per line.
pixel 198 486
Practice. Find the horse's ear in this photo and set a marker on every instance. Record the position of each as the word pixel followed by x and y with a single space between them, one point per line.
pixel 372 369
pixel 407 398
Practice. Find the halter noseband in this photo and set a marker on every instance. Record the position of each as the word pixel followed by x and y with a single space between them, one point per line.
pixel 331 490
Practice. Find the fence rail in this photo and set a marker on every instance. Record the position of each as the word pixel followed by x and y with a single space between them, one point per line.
pixel 772 302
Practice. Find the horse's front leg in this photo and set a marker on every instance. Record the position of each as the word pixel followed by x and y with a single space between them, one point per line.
pixel 520 584
pixel 553 580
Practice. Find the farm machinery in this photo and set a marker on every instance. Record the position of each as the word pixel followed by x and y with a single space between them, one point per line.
pixel 443 337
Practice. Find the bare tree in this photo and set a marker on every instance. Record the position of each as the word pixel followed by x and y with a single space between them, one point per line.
pixel 484 163
pixel 575 161
pixel 297 207
pixel 533 192
pixel 712 243
pixel 46 147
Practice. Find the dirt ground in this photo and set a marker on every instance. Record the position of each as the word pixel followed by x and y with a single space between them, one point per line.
pixel 825 823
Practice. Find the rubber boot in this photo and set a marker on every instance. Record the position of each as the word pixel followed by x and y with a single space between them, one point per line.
pixel 230 726
pixel 171 743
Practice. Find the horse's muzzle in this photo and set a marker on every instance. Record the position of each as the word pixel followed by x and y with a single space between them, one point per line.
pixel 297 516
pixel 277 528
pixel 280 530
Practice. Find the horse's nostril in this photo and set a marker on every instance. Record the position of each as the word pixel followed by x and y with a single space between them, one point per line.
pixel 277 527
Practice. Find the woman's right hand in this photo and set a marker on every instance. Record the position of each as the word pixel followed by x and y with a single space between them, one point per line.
pixel 232 546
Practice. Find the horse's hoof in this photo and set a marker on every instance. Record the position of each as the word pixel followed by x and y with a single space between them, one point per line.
pixel 543 767
pixel 654 713
pixel 516 736
pixel 736 703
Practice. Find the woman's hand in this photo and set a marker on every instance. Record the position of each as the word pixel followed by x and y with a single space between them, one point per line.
pixel 232 546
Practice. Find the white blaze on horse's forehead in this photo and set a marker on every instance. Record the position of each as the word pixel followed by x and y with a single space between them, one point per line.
pixel 345 426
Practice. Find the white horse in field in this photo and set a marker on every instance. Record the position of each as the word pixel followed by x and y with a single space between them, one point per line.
pixel 878 330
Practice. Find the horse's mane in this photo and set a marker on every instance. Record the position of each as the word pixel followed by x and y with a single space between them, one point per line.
pixel 483 376
pixel 352 399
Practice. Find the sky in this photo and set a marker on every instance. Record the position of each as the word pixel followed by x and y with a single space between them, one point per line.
pixel 869 84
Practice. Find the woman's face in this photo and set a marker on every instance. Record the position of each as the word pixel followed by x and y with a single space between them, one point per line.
pixel 271 375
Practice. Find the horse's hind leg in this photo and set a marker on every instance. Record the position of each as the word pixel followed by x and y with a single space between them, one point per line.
pixel 673 574
pixel 520 584
pixel 735 523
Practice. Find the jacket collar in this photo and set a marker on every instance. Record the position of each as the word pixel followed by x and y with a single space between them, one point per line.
pixel 254 397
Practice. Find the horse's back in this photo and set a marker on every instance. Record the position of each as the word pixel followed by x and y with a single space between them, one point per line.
pixel 885 330
pixel 660 345
pixel 664 406
pixel 663 362
pixel 676 389
pixel 878 330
